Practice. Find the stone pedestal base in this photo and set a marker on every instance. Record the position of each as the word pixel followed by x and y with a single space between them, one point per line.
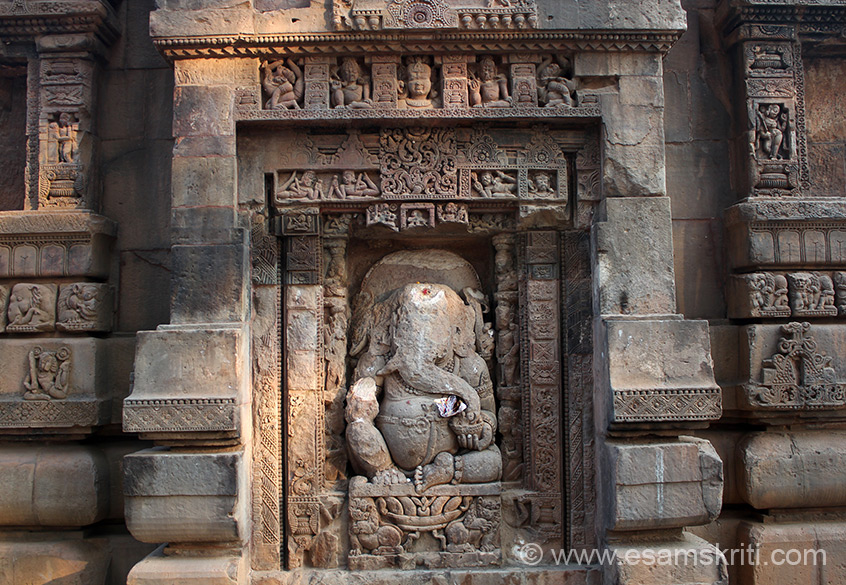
pixel 520 575
pixel 158 569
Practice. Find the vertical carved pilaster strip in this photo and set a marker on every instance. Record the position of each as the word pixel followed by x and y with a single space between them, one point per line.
pixel 33 113
pixel 775 103
pixel 454 81
pixel 336 320
pixel 317 83
pixel 266 404
pixel 511 422
pixel 384 71
pixel 578 352
pixel 524 89
pixel 67 140
pixel 543 393
pixel 303 325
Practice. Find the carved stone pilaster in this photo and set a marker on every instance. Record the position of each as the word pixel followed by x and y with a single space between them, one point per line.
pixel 67 137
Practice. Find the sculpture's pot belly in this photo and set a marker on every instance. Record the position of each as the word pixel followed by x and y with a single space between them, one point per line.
pixel 413 431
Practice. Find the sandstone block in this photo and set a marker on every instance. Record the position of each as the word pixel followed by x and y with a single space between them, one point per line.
pixel 187 379
pixel 53 560
pixel 182 497
pixel 213 283
pixel 79 244
pixel 158 569
pixel 233 71
pixel 204 181
pixel 757 295
pixel 634 247
pixel 787 553
pixel 688 561
pixel 802 469
pixel 786 234
pixel 666 484
pixel 65 486
pixel 660 371
pixel 206 22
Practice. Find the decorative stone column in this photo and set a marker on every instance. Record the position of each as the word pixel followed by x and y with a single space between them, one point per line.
pixel 57 304
pixel 653 368
pixel 786 256
pixel 192 391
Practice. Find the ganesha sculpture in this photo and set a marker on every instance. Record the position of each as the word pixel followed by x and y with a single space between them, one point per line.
pixel 421 427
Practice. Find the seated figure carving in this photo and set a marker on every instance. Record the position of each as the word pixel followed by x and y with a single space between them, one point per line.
pixel 422 407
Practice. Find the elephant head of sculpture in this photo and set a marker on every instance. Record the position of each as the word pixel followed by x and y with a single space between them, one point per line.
pixel 417 333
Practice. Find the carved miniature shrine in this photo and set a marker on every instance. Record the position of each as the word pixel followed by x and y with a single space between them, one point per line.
pixel 489 292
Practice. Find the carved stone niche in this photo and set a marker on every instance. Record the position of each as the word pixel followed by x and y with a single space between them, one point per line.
pixel 421 418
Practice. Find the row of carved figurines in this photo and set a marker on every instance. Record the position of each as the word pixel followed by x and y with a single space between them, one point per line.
pixel 493 183
pixel 350 86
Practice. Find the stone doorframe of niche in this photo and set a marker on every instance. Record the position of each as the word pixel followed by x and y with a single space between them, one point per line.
pixel 208 384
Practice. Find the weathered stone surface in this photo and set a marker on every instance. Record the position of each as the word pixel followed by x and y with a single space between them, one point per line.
pixel 792 470
pixel 206 72
pixel 65 486
pixel 185 497
pixel 158 569
pixel 634 265
pixel 53 559
pixel 660 371
pixel 663 484
pixel 79 244
pixel 218 277
pixel 654 563
pixel 518 575
pixel 699 264
pixel 187 379
pixel 788 554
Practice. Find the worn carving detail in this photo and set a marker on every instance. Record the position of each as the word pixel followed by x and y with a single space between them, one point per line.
pixel 811 294
pixel 283 83
pixel 85 306
pixel 434 14
pixel 49 374
pixel 385 525
pixel 776 103
pixel 760 294
pixel 62 176
pixel 264 251
pixel 416 85
pixel 32 308
pixel 555 88
pixel 418 162
pixel 797 377
pixel 350 85
pixel 660 405
pixel 335 354
pixel 49 413
pixel 179 414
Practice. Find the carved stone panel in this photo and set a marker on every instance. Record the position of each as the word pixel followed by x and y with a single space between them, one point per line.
pixel 32 308
pixel 85 306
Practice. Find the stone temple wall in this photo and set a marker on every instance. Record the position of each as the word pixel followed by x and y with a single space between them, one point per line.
pixel 437 290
